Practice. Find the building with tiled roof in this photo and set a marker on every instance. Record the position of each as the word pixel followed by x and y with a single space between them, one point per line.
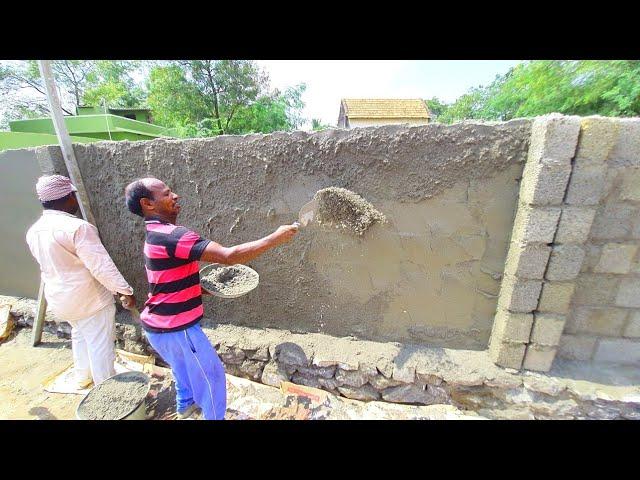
pixel 365 112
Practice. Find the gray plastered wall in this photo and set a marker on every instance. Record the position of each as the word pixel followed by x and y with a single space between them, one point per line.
pixel 430 275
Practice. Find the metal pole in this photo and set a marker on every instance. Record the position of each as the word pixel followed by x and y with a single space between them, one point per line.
pixel 38 321
pixel 74 175
pixel 65 141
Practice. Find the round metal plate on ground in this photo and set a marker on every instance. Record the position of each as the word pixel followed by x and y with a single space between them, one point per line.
pixel 137 412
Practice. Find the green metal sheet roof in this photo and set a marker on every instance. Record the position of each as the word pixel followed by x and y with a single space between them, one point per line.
pixel 87 124
pixel 18 140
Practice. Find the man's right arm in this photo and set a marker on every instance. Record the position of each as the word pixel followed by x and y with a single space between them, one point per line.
pixel 245 252
pixel 90 250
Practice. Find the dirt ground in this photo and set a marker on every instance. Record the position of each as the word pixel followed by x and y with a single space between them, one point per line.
pixel 24 368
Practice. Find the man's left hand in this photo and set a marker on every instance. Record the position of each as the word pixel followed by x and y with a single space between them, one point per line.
pixel 128 301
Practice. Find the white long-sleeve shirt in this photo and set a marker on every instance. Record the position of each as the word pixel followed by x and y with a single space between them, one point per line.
pixel 79 276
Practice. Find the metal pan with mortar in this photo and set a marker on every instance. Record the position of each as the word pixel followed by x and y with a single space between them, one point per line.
pixel 137 409
pixel 250 276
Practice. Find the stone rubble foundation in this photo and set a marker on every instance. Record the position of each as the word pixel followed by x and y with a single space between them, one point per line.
pixel 401 373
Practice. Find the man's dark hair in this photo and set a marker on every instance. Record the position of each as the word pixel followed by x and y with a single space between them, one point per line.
pixel 56 204
pixel 134 192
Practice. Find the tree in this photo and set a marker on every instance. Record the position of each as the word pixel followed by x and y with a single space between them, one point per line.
pixel 174 100
pixel 317 125
pixel 111 82
pixel 212 97
pixel 271 112
pixel 571 87
pixel 219 87
pixel 436 108
pixel 465 107
pixel 80 82
pixel 22 93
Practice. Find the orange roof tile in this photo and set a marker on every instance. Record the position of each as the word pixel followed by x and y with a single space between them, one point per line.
pixel 385 108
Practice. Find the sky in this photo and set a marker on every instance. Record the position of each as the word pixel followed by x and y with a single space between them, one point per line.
pixel 330 80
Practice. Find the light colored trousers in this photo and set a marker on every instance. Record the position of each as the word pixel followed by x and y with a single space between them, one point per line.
pixel 92 343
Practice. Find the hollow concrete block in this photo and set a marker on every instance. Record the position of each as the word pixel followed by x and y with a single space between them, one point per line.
pixel 544 184
pixel 512 327
pixel 556 297
pixel 577 347
pixel 626 151
pixel 527 260
pixel 519 295
pixel 598 136
pixel 615 222
pixel 539 357
pixel 629 293
pixel 507 355
pixel 554 138
pixel 618 350
pixel 632 330
pixel 616 258
pixel 535 224
pixel 597 321
pixel 586 186
pixel 547 329
pixel 574 225
pixel 595 289
pixel 630 190
pixel 565 262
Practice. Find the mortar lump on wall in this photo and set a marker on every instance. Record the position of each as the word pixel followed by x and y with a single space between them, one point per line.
pixel 232 280
pixel 346 209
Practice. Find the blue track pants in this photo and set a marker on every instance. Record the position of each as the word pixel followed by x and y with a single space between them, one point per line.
pixel 196 368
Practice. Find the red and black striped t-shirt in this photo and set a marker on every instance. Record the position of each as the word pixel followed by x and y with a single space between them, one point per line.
pixel 171 255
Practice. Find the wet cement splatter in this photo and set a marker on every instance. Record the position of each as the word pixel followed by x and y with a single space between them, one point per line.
pixel 346 209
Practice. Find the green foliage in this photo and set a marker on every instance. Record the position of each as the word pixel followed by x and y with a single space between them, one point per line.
pixel 317 125
pixel 224 86
pixel 271 113
pixel 111 82
pixel 436 108
pixel 80 82
pixel 21 91
pixel 192 98
pixel 212 97
pixel 175 101
pixel 576 87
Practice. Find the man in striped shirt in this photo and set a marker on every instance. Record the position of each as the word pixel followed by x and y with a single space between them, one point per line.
pixel 174 308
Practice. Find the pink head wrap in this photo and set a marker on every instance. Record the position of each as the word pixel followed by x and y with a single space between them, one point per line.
pixel 53 187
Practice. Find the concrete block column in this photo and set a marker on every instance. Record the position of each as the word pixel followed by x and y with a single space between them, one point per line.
pixel 573 266
pixel 601 324
pixel 536 289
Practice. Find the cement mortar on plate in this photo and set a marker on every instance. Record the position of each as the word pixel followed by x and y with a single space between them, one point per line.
pixel 114 398
pixel 346 209
pixel 229 280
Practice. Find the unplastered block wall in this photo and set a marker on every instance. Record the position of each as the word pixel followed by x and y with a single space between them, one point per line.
pixel 571 281
pixel 604 321
pixel 19 209
pixel 430 275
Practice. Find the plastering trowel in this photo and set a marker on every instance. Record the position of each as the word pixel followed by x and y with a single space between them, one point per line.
pixel 307 213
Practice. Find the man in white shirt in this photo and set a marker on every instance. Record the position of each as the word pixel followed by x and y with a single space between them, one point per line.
pixel 79 278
